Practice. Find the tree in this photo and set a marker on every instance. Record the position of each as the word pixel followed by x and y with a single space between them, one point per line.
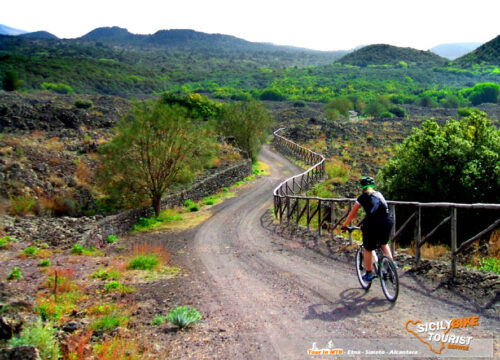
pixel 248 122
pixel 155 146
pixel 484 93
pixel 10 81
pixel 341 104
pixel 459 162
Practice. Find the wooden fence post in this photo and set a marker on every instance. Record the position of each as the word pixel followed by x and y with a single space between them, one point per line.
pixel 453 242
pixel 419 234
pixel 308 213
pixel 393 230
pixel 319 217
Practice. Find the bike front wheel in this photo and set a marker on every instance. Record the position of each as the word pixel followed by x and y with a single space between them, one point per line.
pixel 361 269
pixel 389 279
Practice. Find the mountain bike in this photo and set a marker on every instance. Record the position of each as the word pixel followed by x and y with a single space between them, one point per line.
pixel 383 268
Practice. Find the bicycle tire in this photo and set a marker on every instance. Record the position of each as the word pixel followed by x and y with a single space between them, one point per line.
pixel 389 279
pixel 360 269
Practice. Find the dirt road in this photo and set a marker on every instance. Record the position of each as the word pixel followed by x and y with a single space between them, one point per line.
pixel 287 297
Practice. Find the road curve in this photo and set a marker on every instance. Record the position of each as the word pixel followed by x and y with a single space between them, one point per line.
pixel 291 297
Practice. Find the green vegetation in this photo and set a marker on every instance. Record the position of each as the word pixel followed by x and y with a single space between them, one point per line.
pixel 144 262
pixel 10 81
pixel 183 316
pixel 155 147
pixel 42 336
pixel 78 249
pixel 105 274
pixel 109 322
pixel 15 274
pixel 44 263
pixel 490 264
pixel 457 162
pixel 111 239
pixel 30 251
pixel 6 241
pixel 248 122
pixel 191 206
pixel 158 320
pixel 166 216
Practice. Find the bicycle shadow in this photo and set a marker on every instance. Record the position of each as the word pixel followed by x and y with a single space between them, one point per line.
pixel 353 302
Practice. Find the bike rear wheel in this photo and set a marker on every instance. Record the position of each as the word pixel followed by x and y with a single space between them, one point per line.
pixel 389 279
pixel 361 269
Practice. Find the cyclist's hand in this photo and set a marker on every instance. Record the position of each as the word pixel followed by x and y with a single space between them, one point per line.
pixel 343 228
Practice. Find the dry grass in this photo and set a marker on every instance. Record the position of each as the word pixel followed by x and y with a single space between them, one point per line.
pixel 146 248
pixel 494 244
pixel 429 251
pixel 82 173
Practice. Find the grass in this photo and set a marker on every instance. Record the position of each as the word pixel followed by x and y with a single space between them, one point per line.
pixel 111 239
pixel 260 169
pixel 143 262
pixel 490 265
pixel 80 250
pixel 158 320
pixel 109 322
pixel 105 274
pixel 44 263
pixel 115 286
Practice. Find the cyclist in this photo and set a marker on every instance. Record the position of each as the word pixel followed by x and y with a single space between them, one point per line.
pixel 377 224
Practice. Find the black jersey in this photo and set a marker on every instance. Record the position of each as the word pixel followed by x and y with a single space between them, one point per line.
pixel 374 204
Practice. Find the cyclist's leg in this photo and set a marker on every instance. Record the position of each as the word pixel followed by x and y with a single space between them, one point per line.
pixel 368 260
pixel 386 249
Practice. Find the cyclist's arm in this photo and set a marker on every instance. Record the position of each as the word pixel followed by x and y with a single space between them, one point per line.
pixel 352 214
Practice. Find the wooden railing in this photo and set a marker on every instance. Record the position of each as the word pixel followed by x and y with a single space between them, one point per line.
pixel 327 213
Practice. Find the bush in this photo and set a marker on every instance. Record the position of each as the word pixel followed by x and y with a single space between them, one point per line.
pixel 109 322
pixel 10 81
pixel 341 104
pixel 22 205
pixel 5 241
pixel 490 264
pixel 44 263
pixel 77 249
pixel 43 337
pixel 143 262
pixel 398 111
pixel 83 104
pixel 484 93
pixel 15 274
pixel 299 104
pixel 104 274
pixel 30 251
pixel 58 88
pixel 183 316
pixel 159 320
pixel 272 95
pixel 111 239
pixel 191 206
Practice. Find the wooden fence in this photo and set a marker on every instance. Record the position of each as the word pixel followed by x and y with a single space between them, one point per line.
pixel 322 213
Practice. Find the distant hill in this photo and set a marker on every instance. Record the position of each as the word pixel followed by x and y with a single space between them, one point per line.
pixel 383 54
pixel 488 53
pixel 39 35
pixel 455 50
pixel 7 30
pixel 185 39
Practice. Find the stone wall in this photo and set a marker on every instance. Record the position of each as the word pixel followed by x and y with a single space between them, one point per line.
pixel 211 184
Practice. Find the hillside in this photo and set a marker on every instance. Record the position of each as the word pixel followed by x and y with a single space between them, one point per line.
pixel 455 50
pixel 382 54
pixel 39 35
pixel 488 54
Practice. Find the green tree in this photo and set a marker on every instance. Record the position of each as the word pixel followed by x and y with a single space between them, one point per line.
pixel 248 122
pixel 155 146
pixel 341 104
pixel 458 162
pixel 484 93
pixel 10 81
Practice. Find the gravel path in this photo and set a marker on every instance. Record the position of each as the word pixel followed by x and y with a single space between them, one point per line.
pixel 287 297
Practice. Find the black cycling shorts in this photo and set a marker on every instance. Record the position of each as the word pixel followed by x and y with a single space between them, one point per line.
pixel 376 233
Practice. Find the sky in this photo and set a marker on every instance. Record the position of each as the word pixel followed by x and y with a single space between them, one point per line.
pixel 313 24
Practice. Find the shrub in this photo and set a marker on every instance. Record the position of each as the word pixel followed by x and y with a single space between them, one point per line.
pixel 272 95
pixel 183 316
pixel 22 205
pixel 299 104
pixel 104 274
pixel 143 262
pixel 83 104
pixel 44 263
pixel 43 337
pixel 398 111
pixel 341 104
pixel 10 81
pixel 77 249
pixel 30 251
pixel 191 206
pixel 490 264
pixel 15 274
pixel 113 285
pixel 111 239
pixel 58 88
pixel 5 241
